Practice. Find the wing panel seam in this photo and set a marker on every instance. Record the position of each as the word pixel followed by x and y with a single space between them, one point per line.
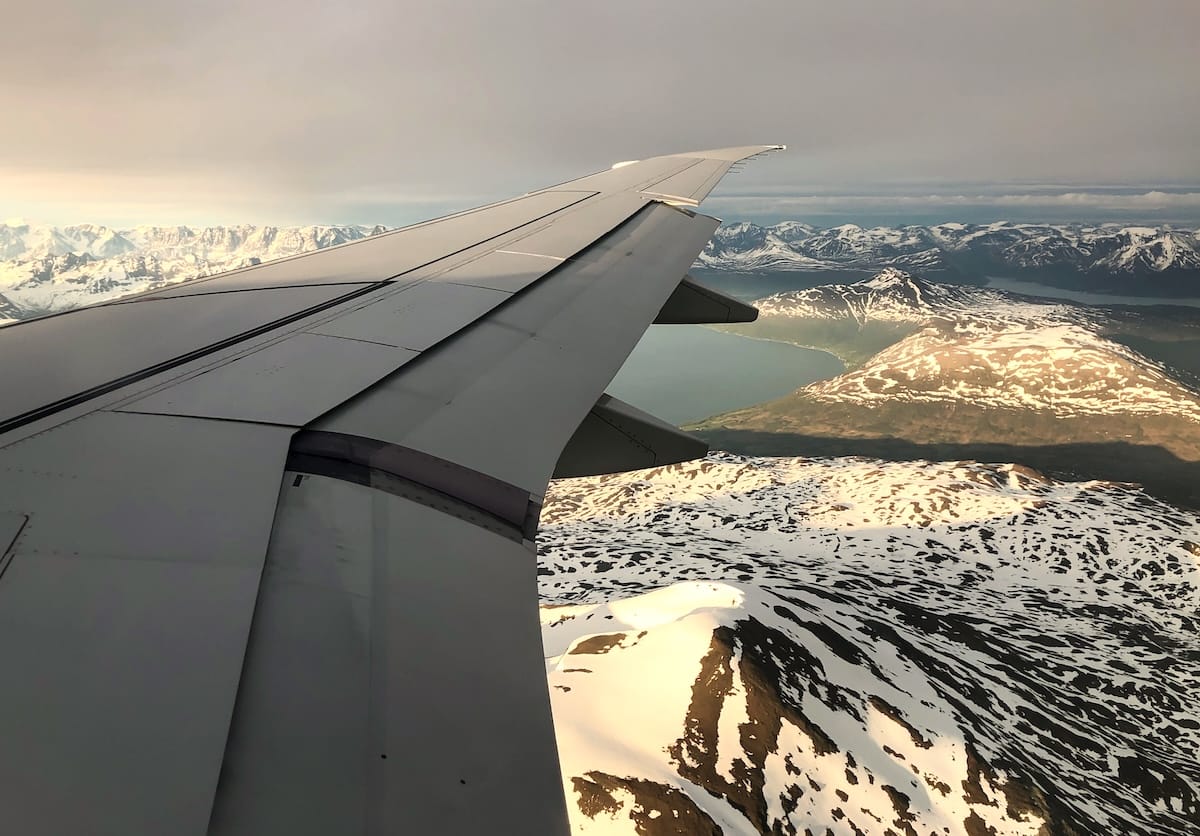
pixel 148 295
pixel 98 390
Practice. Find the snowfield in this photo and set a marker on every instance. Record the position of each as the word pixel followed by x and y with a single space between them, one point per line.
pixel 744 646
pixel 987 348
pixel 894 295
pixel 1064 369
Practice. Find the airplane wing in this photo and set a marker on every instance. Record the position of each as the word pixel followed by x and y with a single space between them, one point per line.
pixel 267 537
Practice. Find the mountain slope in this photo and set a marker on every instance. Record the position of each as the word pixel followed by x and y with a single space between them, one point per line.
pixel 1062 369
pixel 985 348
pixel 895 295
pixel 953 371
pixel 851 646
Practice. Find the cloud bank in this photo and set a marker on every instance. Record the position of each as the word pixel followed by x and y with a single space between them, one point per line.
pixel 289 110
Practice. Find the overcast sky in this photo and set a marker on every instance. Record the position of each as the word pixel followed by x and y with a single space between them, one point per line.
pixel 125 111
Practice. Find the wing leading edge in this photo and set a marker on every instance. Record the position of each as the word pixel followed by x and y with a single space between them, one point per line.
pixel 274 567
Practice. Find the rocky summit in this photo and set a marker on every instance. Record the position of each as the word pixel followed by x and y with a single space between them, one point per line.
pixel 848 646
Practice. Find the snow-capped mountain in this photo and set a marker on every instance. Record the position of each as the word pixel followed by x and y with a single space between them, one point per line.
pixel 1063 369
pixel 796 246
pixel 46 269
pixel 1156 260
pixel 849 646
pixel 894 295
pixel 987 348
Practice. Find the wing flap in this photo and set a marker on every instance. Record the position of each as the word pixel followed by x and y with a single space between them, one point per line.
pixel 693 304
pixel 615 437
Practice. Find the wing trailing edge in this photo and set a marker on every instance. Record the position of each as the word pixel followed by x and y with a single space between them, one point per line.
pixel 614 437
pixel 693 304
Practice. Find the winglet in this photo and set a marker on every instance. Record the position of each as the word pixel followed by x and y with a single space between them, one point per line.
pixel 682 179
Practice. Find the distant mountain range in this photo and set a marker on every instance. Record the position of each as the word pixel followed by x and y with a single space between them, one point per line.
pixel 1153 261
pixel 45 268
pixel 790 646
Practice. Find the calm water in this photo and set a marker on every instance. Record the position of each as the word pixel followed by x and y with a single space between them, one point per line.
pixel 1032 289
pixel 684 373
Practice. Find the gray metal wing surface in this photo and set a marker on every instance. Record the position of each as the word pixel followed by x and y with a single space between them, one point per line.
pixel 268 536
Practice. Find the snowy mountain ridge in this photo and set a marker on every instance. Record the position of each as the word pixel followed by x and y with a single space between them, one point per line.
pixel 849 646
pixel 894 295
pixel 956 248
pixel 45 269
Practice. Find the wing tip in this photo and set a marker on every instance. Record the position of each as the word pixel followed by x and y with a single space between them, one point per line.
pixel 732 154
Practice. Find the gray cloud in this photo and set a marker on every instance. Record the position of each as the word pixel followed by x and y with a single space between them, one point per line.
pixel 298 108
pixel 1179 209
pixel 1092 201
